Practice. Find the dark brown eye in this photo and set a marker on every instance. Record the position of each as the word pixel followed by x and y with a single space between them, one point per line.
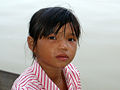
pixel 52 38
pixel 71 39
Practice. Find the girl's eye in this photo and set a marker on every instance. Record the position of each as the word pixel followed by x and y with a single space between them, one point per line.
pixel 52 38
pixel 71 39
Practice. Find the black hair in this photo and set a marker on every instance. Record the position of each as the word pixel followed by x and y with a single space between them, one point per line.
pixel 49 20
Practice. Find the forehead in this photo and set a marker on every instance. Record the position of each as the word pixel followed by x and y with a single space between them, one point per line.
pixel 66 29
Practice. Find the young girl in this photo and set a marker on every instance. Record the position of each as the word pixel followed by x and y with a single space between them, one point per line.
pixel 53 37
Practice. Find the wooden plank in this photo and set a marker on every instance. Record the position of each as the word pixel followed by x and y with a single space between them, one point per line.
pixel 7 79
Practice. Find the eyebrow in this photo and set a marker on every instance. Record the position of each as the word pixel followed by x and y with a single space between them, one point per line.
pixel 73 34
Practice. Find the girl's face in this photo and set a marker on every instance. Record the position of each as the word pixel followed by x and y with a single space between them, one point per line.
pixel 56 50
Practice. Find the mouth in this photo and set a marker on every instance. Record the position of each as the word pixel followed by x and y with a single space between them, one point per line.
pixel 62 57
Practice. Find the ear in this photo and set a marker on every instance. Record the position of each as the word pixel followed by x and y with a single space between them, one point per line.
pixel 30 42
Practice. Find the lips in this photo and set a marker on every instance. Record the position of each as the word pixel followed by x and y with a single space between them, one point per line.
pixel 62 57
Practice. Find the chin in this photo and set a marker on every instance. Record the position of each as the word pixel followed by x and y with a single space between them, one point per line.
pixel 62 65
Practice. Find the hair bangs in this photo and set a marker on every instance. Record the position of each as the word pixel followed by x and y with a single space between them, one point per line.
pixel 56 21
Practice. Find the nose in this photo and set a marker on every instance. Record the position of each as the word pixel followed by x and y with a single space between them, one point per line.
pixel 63 45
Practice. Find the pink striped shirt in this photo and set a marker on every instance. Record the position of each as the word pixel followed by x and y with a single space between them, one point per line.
pixel 35 78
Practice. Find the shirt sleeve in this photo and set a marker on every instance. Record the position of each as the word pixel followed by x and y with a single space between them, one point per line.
pixel 18 88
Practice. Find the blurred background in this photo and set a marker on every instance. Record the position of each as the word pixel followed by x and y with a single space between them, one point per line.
pixel 98 56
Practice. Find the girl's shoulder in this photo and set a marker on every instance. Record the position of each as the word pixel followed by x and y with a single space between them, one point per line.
pixel 25 79
pixel 72 68
pixel 73 76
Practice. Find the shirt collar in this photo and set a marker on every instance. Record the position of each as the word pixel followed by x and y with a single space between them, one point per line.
pixel 48 83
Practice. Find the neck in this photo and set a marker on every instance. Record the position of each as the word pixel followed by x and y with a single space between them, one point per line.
pixel 55 74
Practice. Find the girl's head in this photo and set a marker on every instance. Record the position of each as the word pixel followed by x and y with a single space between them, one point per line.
pixel 49 21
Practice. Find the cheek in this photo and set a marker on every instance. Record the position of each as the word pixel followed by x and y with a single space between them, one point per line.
pixel 73 45
pixel 45 50
pixel 73 49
